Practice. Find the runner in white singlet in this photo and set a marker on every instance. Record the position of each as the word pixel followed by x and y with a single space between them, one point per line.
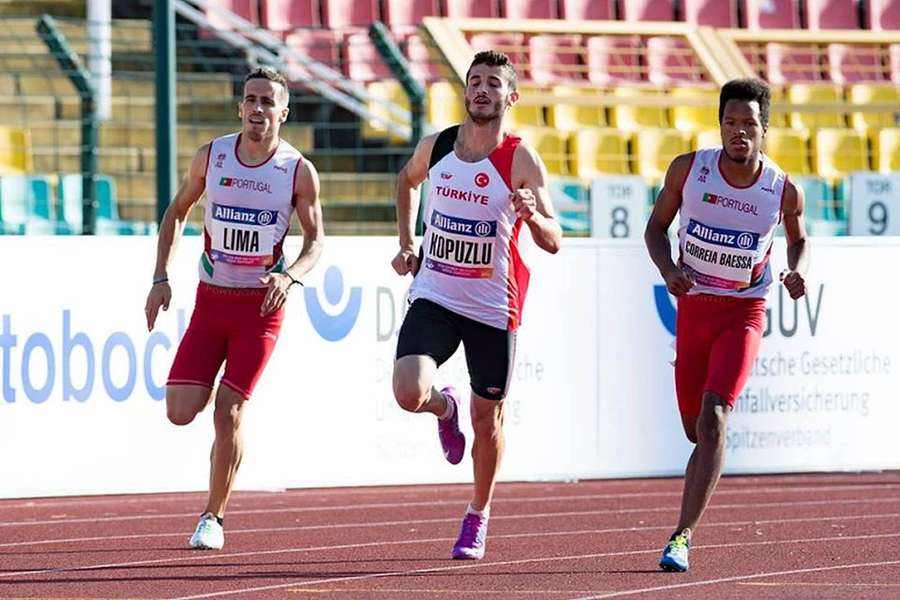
pixel 470 284
pixel 253 181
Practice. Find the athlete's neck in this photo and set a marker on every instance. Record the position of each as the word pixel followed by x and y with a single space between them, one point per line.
pixel 254 152
pixel 475 141
pixel 741 173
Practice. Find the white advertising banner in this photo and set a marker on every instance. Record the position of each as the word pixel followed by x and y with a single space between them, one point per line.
pixel 874 204
pixel 82 405
pixel 618 207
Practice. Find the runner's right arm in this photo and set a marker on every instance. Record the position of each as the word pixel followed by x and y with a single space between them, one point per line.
pixel 656 233
pixel 170 232
pixel 410 177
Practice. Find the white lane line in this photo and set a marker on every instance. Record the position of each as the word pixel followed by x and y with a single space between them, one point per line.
pixel 542 560
pixel 433 503
pixel 679 586
pixel 495 518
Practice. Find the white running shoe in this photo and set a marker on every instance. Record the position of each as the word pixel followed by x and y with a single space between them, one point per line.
pixel 209 534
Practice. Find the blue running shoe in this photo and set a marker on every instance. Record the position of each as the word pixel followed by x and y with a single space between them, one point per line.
pixel 675 554
pixel 453 441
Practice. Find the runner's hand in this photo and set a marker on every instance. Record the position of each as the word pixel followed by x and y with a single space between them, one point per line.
pixel 794 282
pixel 277 284
pixel 678 282
pixel 405 262
pixel 525 204
pixel 160 295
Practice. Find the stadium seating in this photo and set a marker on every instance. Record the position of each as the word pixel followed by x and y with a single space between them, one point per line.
pixel 425 63
pixel 389 90
pixel 792 63
pixel 800 94
pixel 572 117
pixel 15 150
pixel 831 14
pixel 24 205
pixel 613 59
pixel 584 10
pixel 599 151
pixel 287 15
pixel 707 138
pixel 348 14
pixel 894 63
pixel 632 118
pixel 362 62
pixel 886 149
pixel 403 16
pixel 671 61
pixel 529 9
pixel 550 145
pixel 527 115
pixel 838 152
pixel 788 148
pixel 554 59
pixel 654 149
pixel 770 14
pixel 472 9
pixel 320 45
pixel 646 10
pixel 852 63
pixel 246 9
pixel 511 44
pixel 445 104
pixel 695 118
pixel 69 208
pixel 712 13
pixel 883 14
pixel 864 93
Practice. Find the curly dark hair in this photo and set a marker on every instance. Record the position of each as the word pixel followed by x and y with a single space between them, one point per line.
pixel 747 90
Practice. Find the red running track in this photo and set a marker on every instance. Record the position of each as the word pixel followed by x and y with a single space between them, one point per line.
pixel 790 536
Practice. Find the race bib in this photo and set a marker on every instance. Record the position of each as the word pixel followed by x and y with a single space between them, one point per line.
pixel 243 236
pixel 717 257
pixel 461 247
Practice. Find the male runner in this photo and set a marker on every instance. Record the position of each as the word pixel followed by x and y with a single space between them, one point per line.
pixel 730 200
pixel 253 181
pixel 469 280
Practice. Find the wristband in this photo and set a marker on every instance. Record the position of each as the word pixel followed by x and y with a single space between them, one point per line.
pixel 293 281
pixel 157 280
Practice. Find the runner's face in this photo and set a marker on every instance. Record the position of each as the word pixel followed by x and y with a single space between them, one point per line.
pixel 742 130
pixel 488 94
pixel 262 109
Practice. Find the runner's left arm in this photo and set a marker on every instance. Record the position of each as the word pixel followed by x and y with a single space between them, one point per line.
pixel 532 200
pixel 795 235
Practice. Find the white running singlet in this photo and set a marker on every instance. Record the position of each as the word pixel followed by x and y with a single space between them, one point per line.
pixel 248 213
pixel 470 262
pixel 725 232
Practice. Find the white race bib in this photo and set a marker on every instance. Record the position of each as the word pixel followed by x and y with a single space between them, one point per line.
pixel 243 236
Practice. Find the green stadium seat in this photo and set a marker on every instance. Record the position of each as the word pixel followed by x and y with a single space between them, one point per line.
pixel 70 215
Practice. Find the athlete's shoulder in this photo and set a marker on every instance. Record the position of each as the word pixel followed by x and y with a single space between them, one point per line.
pixel 682 163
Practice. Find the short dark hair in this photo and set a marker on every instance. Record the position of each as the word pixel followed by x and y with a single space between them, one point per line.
pixel 270 74
pixel 492 58
pixel 747 90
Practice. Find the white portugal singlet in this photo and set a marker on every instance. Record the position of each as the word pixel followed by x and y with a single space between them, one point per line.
pixel 248 213
pixel 470 262
pixel 725 231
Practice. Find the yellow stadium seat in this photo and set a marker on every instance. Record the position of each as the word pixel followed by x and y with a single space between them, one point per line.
pixel 886 149
pixel 695 118
pixel 654 149
pixel 550 146
pixel 787 147
pixel 634 118
pixel 805 93
pixel 446 105
pixel 526 115
pixel 15 151
pixel 599 151
pixel 839 152
pixel 707 138
pixel 572 117
pixel 862 93
pixel 391 91
pixel 777 118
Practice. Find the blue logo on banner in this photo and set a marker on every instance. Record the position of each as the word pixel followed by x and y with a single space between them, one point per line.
pixel 240 214
pixel 333 327
pixel 463 226
pixel 730 238
pixel 664 307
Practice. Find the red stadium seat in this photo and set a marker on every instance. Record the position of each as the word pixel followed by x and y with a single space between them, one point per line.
pixel 529 9
pixel 831 14
pixel 790 63
pixel 422 61
pixel 362 61
pixel 848 63
pixel 554 59
pixel 883 14
pixel 246 9
pixel 511 44
pixel 671 61
pixel 894 62
pixel 403 16
pixel 320 45
pixel 647 10
pixel 472 9
pixel 584 10
pixel 342 14
pixel 770 14
pixel 715 13
pixel 285 15
pixel 612 60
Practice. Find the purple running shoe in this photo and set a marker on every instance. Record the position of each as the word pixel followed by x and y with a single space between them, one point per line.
pixel 472 538
pixel 453 441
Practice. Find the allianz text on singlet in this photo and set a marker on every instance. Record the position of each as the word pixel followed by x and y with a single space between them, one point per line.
pixel 725 232
pixel 470 254
pixel 248 214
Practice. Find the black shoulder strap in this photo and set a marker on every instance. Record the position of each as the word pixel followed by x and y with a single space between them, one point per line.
pixel 443 145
